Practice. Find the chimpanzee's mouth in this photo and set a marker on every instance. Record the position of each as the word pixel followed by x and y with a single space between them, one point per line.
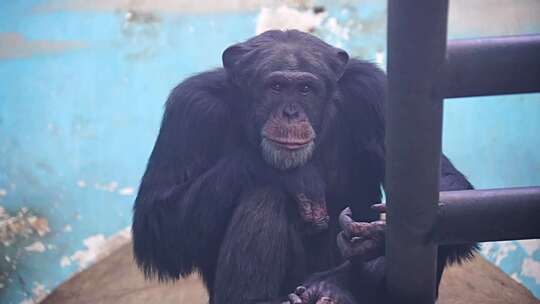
pixel 289 144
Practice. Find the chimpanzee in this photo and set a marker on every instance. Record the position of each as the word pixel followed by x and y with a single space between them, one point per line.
pixel 254 163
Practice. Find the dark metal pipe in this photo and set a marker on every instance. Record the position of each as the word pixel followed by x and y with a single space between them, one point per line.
pixel 488 215
pixel 492 66
pixel 416 56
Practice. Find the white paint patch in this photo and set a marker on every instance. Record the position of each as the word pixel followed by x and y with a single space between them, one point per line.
pixel 39 293
pixel 530 246
pixel 67 228
pixel 284 17
pixel 531 268
pixel 111 186
pixel 335 28
pixel 505 248
pixel 65 261
pixel 35 247
pixel 87 257
pixel 515 277
pixel 498 251
pixel 97 247
pixel 3 192
pixel 486 249
pixel 81 183
pixel 127 191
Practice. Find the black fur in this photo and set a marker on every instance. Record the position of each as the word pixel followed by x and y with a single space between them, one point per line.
pixel 208 202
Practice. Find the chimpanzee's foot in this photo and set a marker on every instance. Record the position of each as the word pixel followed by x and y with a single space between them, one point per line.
pixel 359 240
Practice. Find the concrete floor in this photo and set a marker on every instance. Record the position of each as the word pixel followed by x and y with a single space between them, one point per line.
pixel 116 280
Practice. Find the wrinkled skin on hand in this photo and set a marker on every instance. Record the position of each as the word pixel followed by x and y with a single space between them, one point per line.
pixel 363 245
pixel 321 292
pixel 361 241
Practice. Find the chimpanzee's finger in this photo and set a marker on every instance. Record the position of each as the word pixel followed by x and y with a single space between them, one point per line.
pixel 349 226
pixel 381 208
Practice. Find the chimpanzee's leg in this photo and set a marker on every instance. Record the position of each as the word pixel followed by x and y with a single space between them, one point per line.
pixel 253 256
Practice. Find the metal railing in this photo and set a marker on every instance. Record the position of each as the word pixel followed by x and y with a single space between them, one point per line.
pixel 422 70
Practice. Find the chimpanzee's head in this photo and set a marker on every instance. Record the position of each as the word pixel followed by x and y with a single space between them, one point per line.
pixel 287 79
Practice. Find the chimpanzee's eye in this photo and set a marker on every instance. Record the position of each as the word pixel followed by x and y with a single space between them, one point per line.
pixel 305 88
pixel 276 86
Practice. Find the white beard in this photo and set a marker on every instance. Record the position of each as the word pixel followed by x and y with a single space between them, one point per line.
pixel 282 158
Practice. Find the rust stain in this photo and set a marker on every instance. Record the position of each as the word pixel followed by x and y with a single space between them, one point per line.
pixel 15 45
pixel 22 225
pixel 39 224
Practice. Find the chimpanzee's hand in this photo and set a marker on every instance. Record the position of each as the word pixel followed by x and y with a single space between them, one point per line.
pixel 360 241
pixel 321 292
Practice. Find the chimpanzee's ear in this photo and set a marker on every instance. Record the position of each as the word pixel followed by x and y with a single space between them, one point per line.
pixel 231 57
pixel 339 65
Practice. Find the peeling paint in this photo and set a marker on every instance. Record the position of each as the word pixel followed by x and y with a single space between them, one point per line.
pixel 65 261
pixel 498 251
pixel 40 225
pixel 170 6
pixel 35 247
pixel 110 187
pixel 98 247
pixel 39 292
pixel 127 191
pixel 505 248
pixel 531 268
pixel 284 17
pixel 530 246
pixel 338 30
pixel 21 225
pixel 15 45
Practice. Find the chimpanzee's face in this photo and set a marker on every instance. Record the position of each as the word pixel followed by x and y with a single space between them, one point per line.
pixel 287 88
pixel 289 116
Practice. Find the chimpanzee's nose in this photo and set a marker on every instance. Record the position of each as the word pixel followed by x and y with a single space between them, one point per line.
pixel 291 111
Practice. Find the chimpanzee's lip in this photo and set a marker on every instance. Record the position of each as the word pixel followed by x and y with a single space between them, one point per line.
pixel 289 144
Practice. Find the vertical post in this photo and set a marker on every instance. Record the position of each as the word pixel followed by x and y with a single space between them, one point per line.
pixel 416 55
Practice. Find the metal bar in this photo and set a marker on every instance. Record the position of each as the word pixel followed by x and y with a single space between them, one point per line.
pixel 488 215
pixel 416 55
pixel 492 66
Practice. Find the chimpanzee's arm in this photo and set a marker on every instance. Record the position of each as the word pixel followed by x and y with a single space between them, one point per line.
pixel 363 245
pixel 255 253
pixel 452 180
pixel 187 194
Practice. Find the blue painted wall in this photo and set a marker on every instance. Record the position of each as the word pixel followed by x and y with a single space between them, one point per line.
pixel 81 95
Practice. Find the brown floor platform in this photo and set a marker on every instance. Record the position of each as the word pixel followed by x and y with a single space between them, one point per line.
pixel 116 280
